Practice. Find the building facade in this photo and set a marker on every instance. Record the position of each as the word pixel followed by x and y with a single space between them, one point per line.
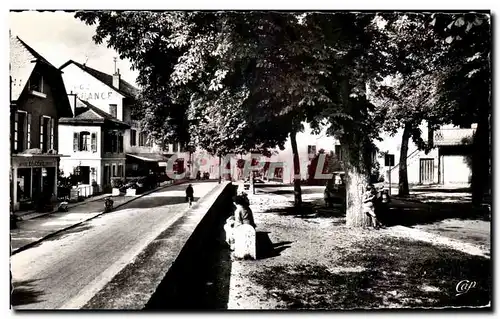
pixel 117 98
pixel 37 101
pixel 447 163
pixel 94 141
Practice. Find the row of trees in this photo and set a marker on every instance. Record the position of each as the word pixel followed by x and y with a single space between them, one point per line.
pixel 237 82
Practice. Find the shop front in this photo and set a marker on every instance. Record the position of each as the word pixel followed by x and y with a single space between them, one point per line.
pixel 31 178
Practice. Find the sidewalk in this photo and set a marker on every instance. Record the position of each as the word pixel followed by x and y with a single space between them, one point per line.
pixel 40 226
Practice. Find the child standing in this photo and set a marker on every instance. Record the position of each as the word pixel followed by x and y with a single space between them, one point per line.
pixel 190 194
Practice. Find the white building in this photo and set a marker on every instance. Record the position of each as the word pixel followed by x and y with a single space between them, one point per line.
pixel 115 98
pixel 447 163
pixel 94 139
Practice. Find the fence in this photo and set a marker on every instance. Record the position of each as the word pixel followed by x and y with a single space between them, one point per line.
pixel 81 191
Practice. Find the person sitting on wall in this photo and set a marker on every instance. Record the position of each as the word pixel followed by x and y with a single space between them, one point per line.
pixel 369 198
pixel 243 233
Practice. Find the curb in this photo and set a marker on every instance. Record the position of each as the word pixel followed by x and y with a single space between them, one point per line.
pixel 36 242
pixel 35 215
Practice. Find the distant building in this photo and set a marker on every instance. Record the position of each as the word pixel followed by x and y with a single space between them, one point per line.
pixel 448 162
pixel 281 163
pixel 134 149
pixel 37 101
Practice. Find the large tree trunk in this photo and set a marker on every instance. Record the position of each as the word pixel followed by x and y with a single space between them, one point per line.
pixel 480 160
pixel 296 170
pixel 357 165
pixel 403 168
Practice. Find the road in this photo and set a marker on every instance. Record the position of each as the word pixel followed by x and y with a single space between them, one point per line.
pixel 67 270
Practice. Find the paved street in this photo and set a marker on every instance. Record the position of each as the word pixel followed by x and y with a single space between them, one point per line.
pixel 67 270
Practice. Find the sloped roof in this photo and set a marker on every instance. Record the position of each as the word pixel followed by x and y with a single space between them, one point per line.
pixel 23 60
pixel 86 113
pixel 126 89
pixel 22 63
pixel 150 157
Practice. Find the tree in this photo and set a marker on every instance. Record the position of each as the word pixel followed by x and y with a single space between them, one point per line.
pixel 465 92
pixel 407 97
pixel 242 76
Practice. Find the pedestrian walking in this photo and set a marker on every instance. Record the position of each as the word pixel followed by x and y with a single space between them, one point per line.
pixel 369 198
pixel 190 194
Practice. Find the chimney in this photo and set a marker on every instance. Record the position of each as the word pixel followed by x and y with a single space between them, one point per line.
pixel 72 102
pixel 116 76
pixel 116 79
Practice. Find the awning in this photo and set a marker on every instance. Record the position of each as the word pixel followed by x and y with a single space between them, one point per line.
pixel 150 157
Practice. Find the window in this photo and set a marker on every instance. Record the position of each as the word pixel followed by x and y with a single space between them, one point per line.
pixel 175 147
pixel 83 174
pixel 28 133
pixel 143 138
pixel 120 143
pixel 16 131
pixel 133 137
pixel 311 149
pixel 120 170
pixel 113 142
pixel 94 142
pixel 113 169
pixel 85 141
pixel 338 152
pixel 52 146
pixel 113 110
pixel 46 133
pixel 35 83
pixel 22 127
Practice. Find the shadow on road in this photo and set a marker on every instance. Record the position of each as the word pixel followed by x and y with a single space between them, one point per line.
pixel 157 201
pixel 266 249
pixel 25 294
pixel 421 214
pixel 199 279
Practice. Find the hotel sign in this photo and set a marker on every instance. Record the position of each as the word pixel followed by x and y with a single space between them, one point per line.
pixel 37 163
pixel 86 94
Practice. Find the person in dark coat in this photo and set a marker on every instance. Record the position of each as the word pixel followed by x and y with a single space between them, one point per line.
pixel 190 194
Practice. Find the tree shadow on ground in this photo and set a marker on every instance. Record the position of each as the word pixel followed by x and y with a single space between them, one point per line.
pixel 314 209
pixel 430 213
pixel 25 294
pixel 440 190
pixel 157 201
pixel 266 248
pixel 390 273
pixel 81 228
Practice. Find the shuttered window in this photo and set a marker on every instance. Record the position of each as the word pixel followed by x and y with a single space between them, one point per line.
pixel 120 144
pixel 41 133
pixel 28 129
pixel 75 141
pixel 16 130
pixel 94 142
pixel 52 146
pixel 133 137
pixel 120 170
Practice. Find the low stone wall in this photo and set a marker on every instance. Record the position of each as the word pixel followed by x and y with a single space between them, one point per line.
pixel 160 273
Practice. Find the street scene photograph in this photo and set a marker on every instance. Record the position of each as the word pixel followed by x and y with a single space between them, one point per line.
pixel 250 160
